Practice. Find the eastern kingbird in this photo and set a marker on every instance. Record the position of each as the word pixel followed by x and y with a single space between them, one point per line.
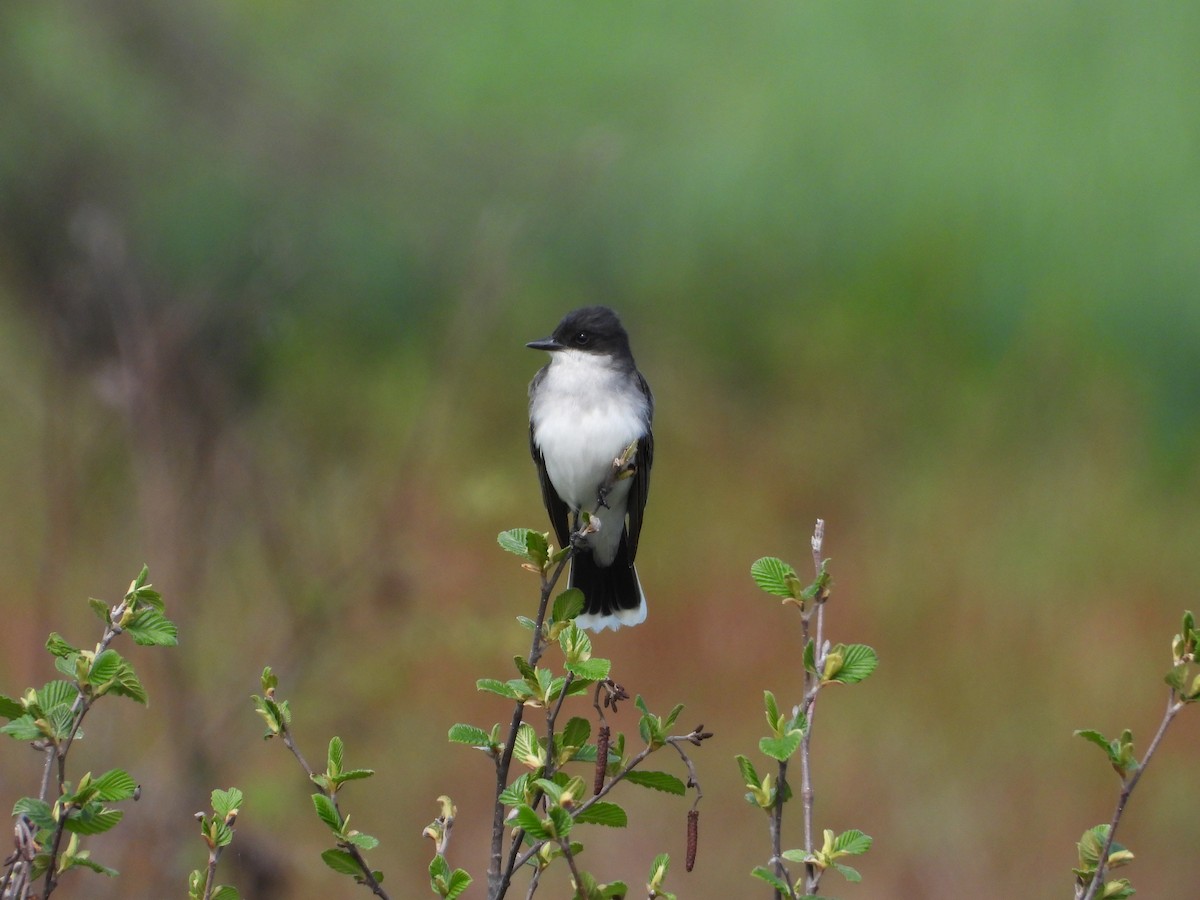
pixel 586 406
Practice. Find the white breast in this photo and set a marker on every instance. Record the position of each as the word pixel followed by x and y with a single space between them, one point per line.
pixel 585 413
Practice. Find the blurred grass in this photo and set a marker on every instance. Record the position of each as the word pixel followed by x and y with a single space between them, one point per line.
pixel 928 273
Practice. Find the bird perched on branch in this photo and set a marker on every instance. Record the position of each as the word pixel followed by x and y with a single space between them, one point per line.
pixel 587 406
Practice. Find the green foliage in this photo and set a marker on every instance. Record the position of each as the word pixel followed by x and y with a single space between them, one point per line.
pixel 335 775
pixel 1091 847
pixel 275 713
pixel 1119 750
pixel 658 781
pixel 345 857
pixel 655 729
pixel 776 577
pixel 547 802
pixel 52 717
pixel 790 733
pixel 848 843
pixel 786 731
pixel 658 874
pixel 217 832
pixel 446 883
pixel 1098 851
pixel 761 792
pixel 849 664
pixel 532 546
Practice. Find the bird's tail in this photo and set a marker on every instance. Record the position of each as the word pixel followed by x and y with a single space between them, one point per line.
pixel 612 594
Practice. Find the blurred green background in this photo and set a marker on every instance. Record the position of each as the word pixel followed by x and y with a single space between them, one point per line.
pixel 929 272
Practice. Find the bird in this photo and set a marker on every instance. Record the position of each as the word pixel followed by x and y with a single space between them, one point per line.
pixel 586 406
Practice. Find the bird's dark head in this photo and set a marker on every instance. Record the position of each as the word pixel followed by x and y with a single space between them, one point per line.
pixel 592 329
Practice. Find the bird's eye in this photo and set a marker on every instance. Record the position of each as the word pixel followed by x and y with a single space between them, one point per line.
pixel 581 339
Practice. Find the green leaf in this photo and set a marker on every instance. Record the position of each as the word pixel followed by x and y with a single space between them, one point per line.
pixel 56 693
pixel 469 735
pixel 105 668
pixel 113 785
pixel 575 643
pixel 59 647
pixel 1117 890
pixel 225 892
pixel 270 681
pixel 528 672
pixel 659 869
pixel 218 832
pixel 362 841
pixel 595 669
pixel 603 813
pixel 576 732
pixel 150 628
pixel 518 792
pixel 37 810
pixel 352 775
pixel 62 719
pixel 775 576
pixel 519 542
pixel 226 802
pixel 439 869
pixel 10 708
pixel 561 821
pixel 1092 843
pixel 810 657
pixel 781 748
pixel 68 665
pixel 93 819
pixel 100 608
pixel 852 842
pixel 1095 737
pixel 1177 678
pixel 659 781
pixel 128 685
pixel 341 861
pixel 495 686
pixel 772 879
pixel 772 710
pixel 459 882
pixel 81 861
pixel 272 713
pixel 749 775
pixel 567 605
pixel 526 748
pixel 337 751
pixel 139 582
pixel 328 812
pixel 848 873
pixel 23 728
pixel 858 661
pixel 531 822
pixel 537 548
pixel 669 721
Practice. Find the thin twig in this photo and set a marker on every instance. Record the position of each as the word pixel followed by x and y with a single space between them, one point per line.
pixel 499 878
pixel 1173 707
pixel 812 686
pixel 694 737
pixel 57 752
pixel 368 877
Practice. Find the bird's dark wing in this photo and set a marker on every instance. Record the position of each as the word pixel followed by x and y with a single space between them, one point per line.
pixel 638 492
pixel 555 505
pixel 640 489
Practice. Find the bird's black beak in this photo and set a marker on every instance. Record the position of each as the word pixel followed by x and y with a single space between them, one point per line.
pixel 549 344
